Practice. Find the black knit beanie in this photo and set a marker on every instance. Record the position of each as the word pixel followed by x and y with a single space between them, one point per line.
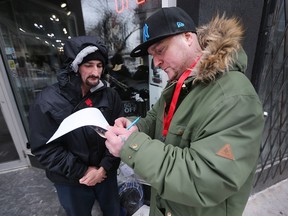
pixel 93 56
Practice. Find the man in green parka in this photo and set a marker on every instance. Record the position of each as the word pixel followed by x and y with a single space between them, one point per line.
pixel 198 146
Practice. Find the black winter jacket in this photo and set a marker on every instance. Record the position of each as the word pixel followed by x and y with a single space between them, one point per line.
pixel 67 158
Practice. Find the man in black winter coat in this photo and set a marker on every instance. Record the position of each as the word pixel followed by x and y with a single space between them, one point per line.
pixel 78 163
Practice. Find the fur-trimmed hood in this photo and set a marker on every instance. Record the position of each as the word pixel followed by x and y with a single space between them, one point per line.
pixel 220 41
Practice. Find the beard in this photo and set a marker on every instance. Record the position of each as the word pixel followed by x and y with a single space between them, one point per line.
pixel 92 80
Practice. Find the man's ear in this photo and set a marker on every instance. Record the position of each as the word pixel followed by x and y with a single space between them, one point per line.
pixel 188 37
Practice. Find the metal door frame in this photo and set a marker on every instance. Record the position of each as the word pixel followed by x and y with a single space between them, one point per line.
pixel 13 121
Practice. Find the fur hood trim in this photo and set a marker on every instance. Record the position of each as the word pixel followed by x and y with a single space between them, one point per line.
pixel 220 40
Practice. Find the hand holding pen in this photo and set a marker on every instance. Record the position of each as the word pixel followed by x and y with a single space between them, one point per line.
pixel 125 123
pixel 118 134
pixel 133 123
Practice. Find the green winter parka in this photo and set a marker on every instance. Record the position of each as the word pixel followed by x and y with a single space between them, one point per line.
pixel 206 164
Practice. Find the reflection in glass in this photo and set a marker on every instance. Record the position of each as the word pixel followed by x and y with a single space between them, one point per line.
pixel 33 34
pixel 8 151
pixel 119 23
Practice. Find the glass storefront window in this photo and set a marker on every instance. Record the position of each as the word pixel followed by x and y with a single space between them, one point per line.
pixel 119 23
pixel 32 35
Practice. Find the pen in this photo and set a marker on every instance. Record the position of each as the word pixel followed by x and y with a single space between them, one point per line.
pixel 133 123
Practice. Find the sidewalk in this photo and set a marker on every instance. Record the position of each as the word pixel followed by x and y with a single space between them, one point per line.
pixel 27 192
pixel 269 202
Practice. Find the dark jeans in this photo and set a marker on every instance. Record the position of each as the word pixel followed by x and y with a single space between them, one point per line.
pixel 79 200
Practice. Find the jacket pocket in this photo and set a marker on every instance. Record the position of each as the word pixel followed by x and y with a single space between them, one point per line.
pixel 178 135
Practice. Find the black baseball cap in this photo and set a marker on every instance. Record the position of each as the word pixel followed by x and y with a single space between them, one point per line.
pixel 163 23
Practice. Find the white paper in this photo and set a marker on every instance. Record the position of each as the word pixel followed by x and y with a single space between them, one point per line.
pixel 90 116
pixel 143 211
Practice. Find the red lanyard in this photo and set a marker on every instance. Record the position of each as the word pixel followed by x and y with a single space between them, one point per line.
pixel 168 118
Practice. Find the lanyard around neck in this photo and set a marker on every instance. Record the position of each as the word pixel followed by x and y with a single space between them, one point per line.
pixel 168 117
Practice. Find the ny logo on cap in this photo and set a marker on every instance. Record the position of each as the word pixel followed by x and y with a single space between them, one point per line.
pixel 180 24
pixel 145 33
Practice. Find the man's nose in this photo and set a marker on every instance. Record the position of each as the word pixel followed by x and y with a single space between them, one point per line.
pixel 157 62
pixel 97 69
